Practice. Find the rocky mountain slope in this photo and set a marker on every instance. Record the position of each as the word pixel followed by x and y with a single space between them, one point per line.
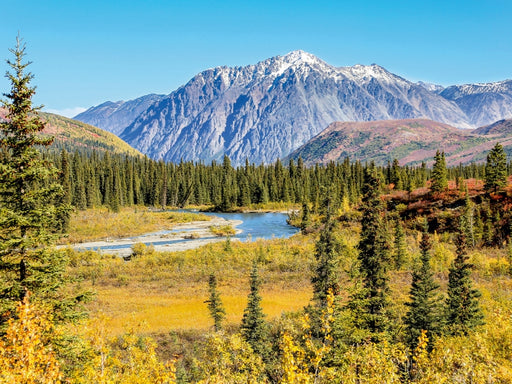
pixel 410 141
pixel 265 111
pixel 116 116
pixel 482 103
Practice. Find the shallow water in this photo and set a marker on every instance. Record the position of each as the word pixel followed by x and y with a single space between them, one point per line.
pixel 259 225
pixel 254 226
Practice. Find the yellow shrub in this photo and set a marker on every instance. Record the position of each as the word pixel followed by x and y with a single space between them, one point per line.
pixel 25 357
pixel 229 360
pixel 127 359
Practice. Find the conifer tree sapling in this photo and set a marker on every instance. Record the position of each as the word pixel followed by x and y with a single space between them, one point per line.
pixel 326 275
pixel 463 311
pixel 305 222
pixel 215 306
pixel 400 251
pixel 254 326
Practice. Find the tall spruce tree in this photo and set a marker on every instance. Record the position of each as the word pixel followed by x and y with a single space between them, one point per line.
pixel 496 169
pixel 326 276
pixel 254 326
pixel 32 207
pixel 425 306
pixel 463 312
pixel 374 260
pixel 439 180
pixel 215 306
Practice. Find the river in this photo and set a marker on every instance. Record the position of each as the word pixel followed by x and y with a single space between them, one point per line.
pixel 250 227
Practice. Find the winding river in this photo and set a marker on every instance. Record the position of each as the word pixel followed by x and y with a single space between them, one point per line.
pixel 250 227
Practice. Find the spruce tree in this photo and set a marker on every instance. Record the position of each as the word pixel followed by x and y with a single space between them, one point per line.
pixel 254 326
pixel 374 260
pixel 424 307
pixel 32 207
pixel 463 312
pixel 326 276
pixel 215 306
pixel 396 176
pixel 495 169
pixel 305 222
pixel 439 180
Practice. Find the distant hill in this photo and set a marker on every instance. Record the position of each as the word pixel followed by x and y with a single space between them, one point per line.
pixel 502 128
pixel 411 141
pixel 71 134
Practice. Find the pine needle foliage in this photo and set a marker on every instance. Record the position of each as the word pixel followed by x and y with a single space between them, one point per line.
pixel 463 312
pixel 215 306
pixel 495 169
pixel 326 276
pixel 425 305
pixel 254 326
pixel 439 180
pixel 374 260
pixel 32 211
pixel 400 251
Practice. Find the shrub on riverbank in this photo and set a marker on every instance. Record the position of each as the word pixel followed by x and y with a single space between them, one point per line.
pixel 222 230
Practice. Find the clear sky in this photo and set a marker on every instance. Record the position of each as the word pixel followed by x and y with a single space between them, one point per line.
pixel 88 52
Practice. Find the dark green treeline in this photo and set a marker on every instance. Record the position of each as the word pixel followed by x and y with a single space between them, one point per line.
pixel 94 179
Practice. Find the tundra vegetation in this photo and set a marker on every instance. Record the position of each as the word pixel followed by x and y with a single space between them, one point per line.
pixel 399 274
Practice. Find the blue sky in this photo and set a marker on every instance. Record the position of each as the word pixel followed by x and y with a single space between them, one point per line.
pixel 87 52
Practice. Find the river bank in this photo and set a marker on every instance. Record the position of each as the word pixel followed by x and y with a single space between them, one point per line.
pixel 183 236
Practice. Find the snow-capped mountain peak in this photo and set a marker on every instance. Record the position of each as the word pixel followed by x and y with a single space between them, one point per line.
pixel 266 110
pixel 363 74
pixel 431 86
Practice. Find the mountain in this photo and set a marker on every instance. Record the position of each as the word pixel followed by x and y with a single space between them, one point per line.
pixel 431 86
pixel 264 111
pixel 482 103
pixel 72 135
pixel 410 141
pixel 116 116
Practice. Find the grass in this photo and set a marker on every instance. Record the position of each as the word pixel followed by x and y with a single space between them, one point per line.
pixel 185 308
pixel 102 223
pixel 168 290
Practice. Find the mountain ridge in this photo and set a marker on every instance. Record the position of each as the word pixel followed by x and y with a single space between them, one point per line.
pixel 266 110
